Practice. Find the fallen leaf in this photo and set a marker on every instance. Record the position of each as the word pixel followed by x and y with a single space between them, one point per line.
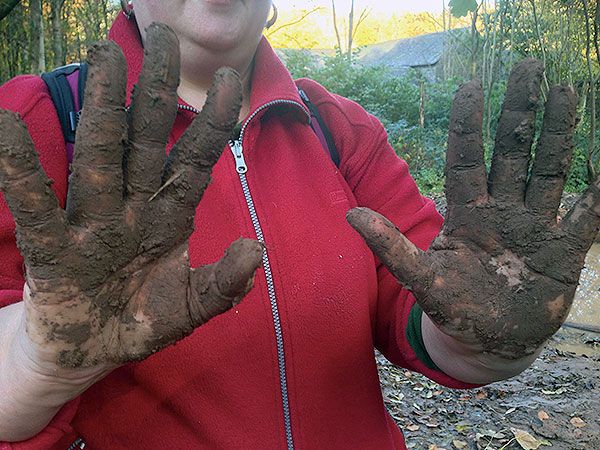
pixel 432 423
pixel 396 399
pixel 413 427
pixel 493 434
pixel 459 444
pixel 577 422
pixel 462 427
pixel 543 415
pixel 481 395
pixel 526 440
pixel 556 392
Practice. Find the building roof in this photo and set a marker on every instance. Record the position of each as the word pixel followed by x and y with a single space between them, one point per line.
pixel 418 51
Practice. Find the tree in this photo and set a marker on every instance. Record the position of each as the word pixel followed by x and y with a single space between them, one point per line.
pixel 351 30
pixel 56 7
pixel 36 39
pixel 71 27
pixel 461 8
pixel 591 41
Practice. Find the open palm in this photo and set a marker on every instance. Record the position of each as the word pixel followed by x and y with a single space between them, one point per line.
pixel 109 279
pixel 502 273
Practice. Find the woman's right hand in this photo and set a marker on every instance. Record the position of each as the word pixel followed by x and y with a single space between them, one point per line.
pixel 108 280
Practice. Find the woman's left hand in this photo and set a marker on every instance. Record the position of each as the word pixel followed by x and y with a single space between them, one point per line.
pixel 502 274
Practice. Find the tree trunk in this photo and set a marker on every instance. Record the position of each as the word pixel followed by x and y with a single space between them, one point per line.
pixel 422 105
pixel 597 30
pixel 38 50
pixel 350 31
pixel 474 43
pixel 538 32
pixel 592 103
pixel 57 35
pixel 335 27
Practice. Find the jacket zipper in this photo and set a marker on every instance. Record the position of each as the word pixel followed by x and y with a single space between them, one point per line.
pixel 241 168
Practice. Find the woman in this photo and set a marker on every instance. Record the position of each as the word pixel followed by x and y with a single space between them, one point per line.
pixel 108 281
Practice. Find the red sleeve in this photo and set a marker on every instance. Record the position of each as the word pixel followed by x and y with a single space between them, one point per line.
pixel 380 180
pixel 27 95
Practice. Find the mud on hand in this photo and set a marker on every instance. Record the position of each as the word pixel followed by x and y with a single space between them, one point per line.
pixel 502 273
pixel 109 279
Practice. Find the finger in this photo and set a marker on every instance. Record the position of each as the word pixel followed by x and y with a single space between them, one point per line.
pixel 220 286
pixel 191 161
pixel 96 185
pixel 41 223
pixel 583 220
pixel 402 258
pixel 466 180
pixel 553 154
pixel 515 132
pixel 152 113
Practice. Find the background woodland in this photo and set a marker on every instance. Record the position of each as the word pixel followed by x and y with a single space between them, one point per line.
pixel 38 35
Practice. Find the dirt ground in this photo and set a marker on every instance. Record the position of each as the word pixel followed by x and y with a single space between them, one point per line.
pixel 554 404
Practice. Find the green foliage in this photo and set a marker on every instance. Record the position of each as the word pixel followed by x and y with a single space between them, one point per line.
pixel 461 8
pixel 395 102
pixel 506 31
pixel 81 24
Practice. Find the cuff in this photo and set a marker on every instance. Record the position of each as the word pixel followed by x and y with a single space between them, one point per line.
pixel 10 296
pixel 414 336
pixel 415 354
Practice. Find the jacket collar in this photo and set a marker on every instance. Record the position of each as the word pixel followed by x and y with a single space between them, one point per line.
pixel 272 84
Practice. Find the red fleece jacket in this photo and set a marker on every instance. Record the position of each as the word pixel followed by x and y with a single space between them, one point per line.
pixel 221 386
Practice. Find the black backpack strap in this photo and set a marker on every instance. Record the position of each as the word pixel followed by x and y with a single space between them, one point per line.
pixel 321 130
pixel 83 72
pixel 66 86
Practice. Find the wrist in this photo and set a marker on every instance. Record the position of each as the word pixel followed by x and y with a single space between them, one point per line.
pixel 33 388
pixel 468 362
pixel 56 384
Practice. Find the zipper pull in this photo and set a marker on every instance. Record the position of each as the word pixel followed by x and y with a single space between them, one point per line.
pixel 238 154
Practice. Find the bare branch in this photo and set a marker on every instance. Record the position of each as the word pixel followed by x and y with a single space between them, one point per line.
pixel 363 15
pixel 335 26
pixel 294 22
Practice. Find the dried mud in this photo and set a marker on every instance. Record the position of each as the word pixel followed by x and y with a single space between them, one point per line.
pixel 501 253
pixel 109 278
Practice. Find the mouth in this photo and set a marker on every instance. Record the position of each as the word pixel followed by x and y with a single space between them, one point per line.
pixel 220 2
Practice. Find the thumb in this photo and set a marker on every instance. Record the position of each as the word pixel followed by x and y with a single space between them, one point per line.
pixel 403 259
pixel 218 287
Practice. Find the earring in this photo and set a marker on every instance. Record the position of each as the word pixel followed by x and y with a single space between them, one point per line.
pixel 273 18
pixel 127 9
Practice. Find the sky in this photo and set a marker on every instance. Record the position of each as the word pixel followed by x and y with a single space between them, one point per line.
pixel 381 6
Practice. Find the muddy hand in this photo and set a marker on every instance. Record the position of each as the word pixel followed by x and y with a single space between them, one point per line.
pixel 108 279
pixel 502 273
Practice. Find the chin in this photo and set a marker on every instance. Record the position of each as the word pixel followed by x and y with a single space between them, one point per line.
pixel 223 35
pixel 215 25
pixel 222 42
